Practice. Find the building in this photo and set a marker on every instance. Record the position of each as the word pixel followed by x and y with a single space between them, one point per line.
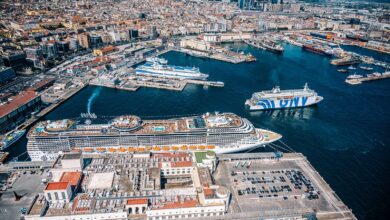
pixel 133 34
pixel 83 40
pixel 72 161
pixel 58 192
pixel 14 111
pixel 15 60
pixel 6 74
pixel 152 31
pixel 104 51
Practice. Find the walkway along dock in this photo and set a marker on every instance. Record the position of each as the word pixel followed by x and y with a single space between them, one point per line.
pixel 366 79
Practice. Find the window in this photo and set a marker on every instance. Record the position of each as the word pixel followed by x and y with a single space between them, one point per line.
pixel 56 195
pixel 49 196
pixel 63 195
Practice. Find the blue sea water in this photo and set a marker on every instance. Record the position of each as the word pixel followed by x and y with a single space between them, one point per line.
pixel 346 137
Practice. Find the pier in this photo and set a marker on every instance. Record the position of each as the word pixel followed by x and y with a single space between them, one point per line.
pixel 366 79
pixel 264 185
pixel 226 56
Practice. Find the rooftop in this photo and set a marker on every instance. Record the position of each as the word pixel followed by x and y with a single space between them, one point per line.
pixel 71 177
pixel 57 185
pixel 137 201
pixel 16 102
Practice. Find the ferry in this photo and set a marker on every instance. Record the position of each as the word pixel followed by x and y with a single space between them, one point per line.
pixel 10 138
pixel 279 99
pixel 219 132
pixel 160 68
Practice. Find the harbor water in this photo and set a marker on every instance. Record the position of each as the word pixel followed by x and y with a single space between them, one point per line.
pixel 346 137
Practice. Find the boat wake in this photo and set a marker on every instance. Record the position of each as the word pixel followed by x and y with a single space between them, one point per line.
pixel 94 95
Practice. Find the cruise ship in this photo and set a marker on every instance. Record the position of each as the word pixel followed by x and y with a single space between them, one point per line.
pixel 278 99
pixel 220 132
pixel 159 67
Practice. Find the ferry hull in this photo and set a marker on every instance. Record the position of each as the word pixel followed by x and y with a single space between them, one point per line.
pixel 296 102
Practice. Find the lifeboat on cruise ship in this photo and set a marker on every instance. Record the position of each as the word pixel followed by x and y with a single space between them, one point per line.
pixel 184 147
pixel 101 149
pixel 166 148
pixel 156 148
pixel 210 147
pixel 88 149
pixel 130 149
pixel 122 149
pixel 148 148
pixel 76 149
pixel 112 150
pixel 141 149
pixel 193 147
pixel 201 147
pixel 175 148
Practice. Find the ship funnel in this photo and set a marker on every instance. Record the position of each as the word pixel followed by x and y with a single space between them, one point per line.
pixel 306 87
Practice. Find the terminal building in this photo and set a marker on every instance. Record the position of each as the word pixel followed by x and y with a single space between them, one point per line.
pixel 13 112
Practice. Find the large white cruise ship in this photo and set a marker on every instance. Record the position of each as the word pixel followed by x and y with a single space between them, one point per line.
pixel 158 67
pixel 220 132
pixel 279 99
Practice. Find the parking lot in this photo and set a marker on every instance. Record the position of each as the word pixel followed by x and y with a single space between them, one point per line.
pixel 271 187
pixel 28 184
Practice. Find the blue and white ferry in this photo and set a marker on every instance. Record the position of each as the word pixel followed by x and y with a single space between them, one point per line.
pixel 279 99
pixel 159 68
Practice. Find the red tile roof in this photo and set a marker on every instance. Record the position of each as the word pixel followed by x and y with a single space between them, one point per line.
pixel 181 164
pixel 71 177
pixel 138 201
pixel 177 205
pixel 57 186
pixel 16 102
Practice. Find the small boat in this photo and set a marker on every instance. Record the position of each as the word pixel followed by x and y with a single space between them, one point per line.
pixel 376 74
pixel 354 76
pixel 366 68
pixel 352 68
pixel 342 70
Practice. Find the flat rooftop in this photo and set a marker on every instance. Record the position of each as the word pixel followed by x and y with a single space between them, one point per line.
pixel 101 181
pixel 263 186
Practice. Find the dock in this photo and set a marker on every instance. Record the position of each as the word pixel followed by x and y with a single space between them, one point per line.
pixel 227 56
pixel 51 107
pixel 134 82
pixel 366 79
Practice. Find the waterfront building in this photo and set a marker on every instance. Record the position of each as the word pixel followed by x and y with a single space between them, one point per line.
pixel 14 111
pixel 6 74
pixel 16 59
pixel 133 34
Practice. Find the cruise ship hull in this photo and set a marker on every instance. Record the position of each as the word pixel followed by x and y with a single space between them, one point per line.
pixel 296 102
pixel 271 137
pixel 222 133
